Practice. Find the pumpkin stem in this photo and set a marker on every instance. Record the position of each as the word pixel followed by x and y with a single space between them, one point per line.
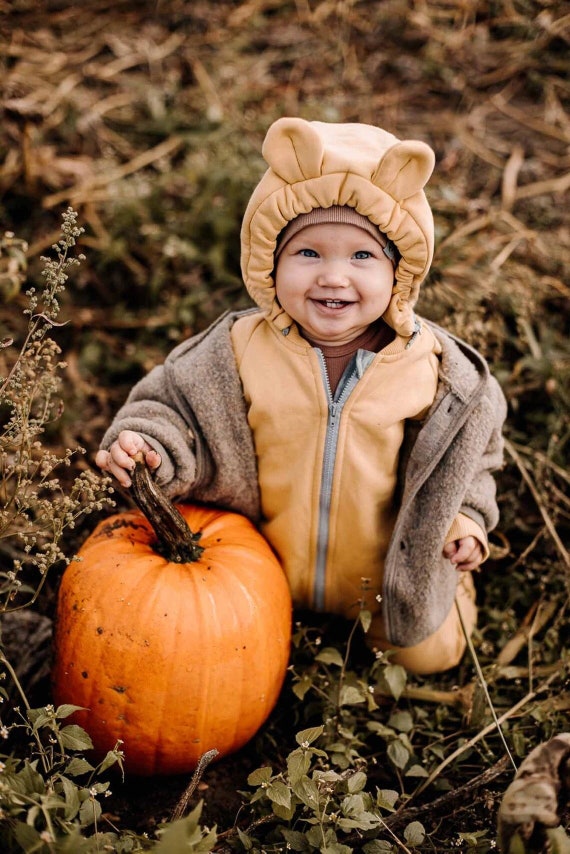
pixel 176 542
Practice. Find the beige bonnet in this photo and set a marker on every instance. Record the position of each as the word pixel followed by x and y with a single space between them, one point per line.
pixel 320 165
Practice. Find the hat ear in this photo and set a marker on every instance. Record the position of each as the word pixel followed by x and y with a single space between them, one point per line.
pixel 293 149
pixel 405 169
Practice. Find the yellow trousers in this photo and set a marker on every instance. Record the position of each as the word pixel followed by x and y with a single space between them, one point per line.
pixel 445 647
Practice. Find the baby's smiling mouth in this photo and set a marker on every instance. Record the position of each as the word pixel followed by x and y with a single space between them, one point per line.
pixel 333 303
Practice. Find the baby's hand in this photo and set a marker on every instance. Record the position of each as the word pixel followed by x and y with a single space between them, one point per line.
pixel 118 460
pixel 466 553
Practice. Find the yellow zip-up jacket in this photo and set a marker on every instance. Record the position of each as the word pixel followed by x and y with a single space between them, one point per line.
pixel 327 467
pixel 192 410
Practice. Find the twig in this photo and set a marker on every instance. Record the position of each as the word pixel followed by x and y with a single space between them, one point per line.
pixel 394 837
pixel 414 813
pixel 483 682
pixel 83 191
pixel 540 504
pixel 544 459
pixel 536 619
pixel 182 804
pixel 482 733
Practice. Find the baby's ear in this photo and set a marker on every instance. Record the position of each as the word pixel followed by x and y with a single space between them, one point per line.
pixel 293 149
pixel 405 168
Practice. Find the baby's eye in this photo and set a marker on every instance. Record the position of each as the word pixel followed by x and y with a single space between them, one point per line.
pixel 309 253
pixel 362 254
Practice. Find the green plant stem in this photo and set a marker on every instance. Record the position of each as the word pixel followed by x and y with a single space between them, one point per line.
pixel 4 661
pixel 483 683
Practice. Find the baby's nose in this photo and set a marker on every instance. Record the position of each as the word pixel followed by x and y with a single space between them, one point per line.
pixel 333 275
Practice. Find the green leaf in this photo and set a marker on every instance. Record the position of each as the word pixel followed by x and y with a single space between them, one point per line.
pixel 186 835
pixel 245 840
pixel 365 618
pixel 260 776
pixel 66 709
pixel 402 721
pixel 380 729
pixel 351 696
pixel 90 812
pixel 298 764
pixel 295 841
pixel 78 766
pixel 71 795
pixel 307 792
pixel 307 736
pixel 301 687
pixel 378 846
pixel 27 837
pixel 111 758
pixel 336 848
pixel 414 833
pixel 330 655
pixel 286 813
pixel 558 840
pixel 394 676
pixel 75 738
pixel 398 753
pixel 386 799
pixel 29 780
pixel 279 793
pixel 416 771
pixel 357 782
pixel 353 805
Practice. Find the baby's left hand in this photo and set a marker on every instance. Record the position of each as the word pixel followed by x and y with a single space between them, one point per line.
pixel 466 553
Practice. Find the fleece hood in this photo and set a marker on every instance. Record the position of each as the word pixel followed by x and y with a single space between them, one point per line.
pixel 320 164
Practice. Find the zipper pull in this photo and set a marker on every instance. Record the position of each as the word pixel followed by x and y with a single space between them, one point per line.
pixel 333 409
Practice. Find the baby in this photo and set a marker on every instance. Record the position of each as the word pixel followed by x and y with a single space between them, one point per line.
pixel 358 436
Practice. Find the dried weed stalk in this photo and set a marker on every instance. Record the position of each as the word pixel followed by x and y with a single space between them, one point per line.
pixel 35 509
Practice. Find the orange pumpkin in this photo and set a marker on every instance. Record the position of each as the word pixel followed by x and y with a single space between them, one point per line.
pixel 173 658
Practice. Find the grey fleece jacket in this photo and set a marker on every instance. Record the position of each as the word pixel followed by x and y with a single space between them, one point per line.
pixel 192 410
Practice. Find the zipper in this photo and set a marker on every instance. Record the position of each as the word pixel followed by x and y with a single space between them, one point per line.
pixel 336 404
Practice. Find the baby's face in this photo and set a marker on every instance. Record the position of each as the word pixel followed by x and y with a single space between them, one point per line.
pixel 334 281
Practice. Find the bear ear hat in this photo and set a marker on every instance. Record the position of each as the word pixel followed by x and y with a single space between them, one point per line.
pixel 285 139
pixel 295 151
pixel 404 169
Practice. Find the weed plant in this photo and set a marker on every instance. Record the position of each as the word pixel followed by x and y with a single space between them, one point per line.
pixel 34 508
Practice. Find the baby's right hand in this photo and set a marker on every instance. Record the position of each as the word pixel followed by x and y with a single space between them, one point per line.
pixel 118 460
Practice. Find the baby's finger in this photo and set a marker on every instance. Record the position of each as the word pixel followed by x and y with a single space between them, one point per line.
pixel 121 457
pixel 153 459
pixel 105 462
pixel 131 442
pixel 120 473
pixel 472 560
pixel 102 459
pixel 468 567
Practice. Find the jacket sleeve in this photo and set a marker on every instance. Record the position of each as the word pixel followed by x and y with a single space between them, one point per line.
pixel 192 410
pixel 479 502
pixel 152 410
